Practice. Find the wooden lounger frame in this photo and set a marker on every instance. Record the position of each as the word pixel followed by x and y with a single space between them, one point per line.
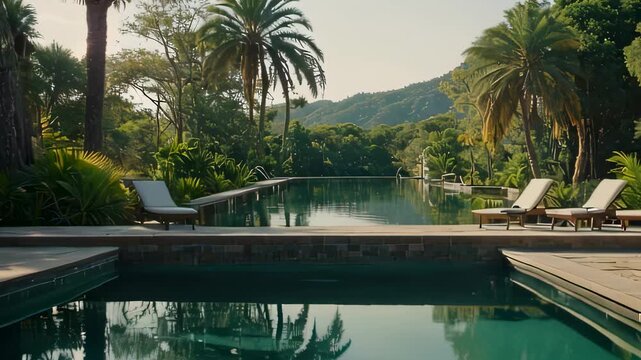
pixel 508 217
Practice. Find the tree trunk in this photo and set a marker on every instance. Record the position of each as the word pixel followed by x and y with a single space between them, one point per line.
pixel 473 170
pixel 264 76
pixel 96 53
pixel 490 165
pixel 526 111
pixel 288 113
pixel 579 164
pixel 11 117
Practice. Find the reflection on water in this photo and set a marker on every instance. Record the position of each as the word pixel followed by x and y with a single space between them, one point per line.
pixel 510 324
pixel 349 202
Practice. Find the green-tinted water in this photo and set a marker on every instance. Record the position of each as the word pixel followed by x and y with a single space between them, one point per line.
pixel 438 313
pixel 349 202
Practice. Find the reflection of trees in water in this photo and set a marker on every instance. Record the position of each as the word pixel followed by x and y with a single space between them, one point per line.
pixel 388 200
pixel 246 330
pixel 175 330
pixel 51 335
pixel 327 347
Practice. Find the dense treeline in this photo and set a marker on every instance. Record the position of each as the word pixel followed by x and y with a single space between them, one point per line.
pixel 551 91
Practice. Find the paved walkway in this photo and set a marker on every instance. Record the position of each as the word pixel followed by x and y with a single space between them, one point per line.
pixel 151 230
pixel 26 263
pixel 610 280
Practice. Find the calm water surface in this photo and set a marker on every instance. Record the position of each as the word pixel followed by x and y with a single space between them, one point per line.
pixel 350 202
pixel 479 315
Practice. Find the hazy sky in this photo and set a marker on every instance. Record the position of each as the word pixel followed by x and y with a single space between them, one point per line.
pixel 369 45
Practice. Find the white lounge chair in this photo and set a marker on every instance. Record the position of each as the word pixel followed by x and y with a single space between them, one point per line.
pixel 595 209
pixel 157 202
pixel 526 204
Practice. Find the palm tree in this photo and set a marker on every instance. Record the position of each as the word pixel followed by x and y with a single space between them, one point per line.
pixel 467 139
pixel 57 76
pixel 292 51
pixel 527 65
pixel 96 57
pixel 244 35
pixel 17 27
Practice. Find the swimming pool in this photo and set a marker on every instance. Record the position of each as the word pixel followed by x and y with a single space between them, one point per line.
pixel 397 312
pixel 349 202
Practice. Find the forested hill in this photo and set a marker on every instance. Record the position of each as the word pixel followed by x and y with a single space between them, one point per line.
pixel 412 103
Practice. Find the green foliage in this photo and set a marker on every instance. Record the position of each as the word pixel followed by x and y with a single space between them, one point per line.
pixel 440 164
pixel 66 187
pixel 191 170
pixel 515 173
pixel 563 195
pixel 628 167
pixel 77 188
pixel 187 189
pixel 633 56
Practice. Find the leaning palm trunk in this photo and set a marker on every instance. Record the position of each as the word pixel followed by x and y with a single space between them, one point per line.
pixel 263 105
pixel 96 49
pixel 527 110
pixel 579 164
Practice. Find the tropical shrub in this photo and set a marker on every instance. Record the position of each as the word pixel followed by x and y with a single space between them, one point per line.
pixel 187 189
pixel 78 188
pixel 440 164
pixel 628 167
pixel 191 170
pixel 515 172
pixel 65 187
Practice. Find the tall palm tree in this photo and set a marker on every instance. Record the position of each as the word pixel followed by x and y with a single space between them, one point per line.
pixel 96 57
pixel 527 66
pixel 239 36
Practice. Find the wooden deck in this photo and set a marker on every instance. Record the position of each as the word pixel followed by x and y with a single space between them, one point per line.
pixel 606 280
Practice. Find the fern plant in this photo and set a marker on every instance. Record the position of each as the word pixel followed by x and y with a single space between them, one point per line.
pixel 77 188
pixel 628 167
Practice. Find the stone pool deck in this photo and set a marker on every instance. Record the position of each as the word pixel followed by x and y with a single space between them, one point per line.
pixel 32 279
pixel 606 280
pixel 370 244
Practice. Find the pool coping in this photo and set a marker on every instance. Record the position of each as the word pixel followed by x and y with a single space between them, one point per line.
pixel 598 287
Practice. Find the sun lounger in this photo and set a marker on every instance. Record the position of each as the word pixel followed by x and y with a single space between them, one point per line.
pixel 527 203
pixel 595 209
pixel 628 215
pixel 157 202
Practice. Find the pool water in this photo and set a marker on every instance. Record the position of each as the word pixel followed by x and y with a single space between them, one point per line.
pixel 438 313
pixel 350 202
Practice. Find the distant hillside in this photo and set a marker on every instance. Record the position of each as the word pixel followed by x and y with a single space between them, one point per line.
pixel 409 104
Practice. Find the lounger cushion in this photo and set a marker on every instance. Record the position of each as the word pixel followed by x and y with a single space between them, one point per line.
pixel 605 193
pixel 574 212
pixel 173 210
pixel 154 193
pixel 629 213
pixel 533 194
pixel 499 211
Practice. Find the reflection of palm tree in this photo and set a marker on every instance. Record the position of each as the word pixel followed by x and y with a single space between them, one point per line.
pixel 328 347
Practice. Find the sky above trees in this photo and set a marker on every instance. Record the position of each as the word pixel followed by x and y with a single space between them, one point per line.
pixel 369 45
